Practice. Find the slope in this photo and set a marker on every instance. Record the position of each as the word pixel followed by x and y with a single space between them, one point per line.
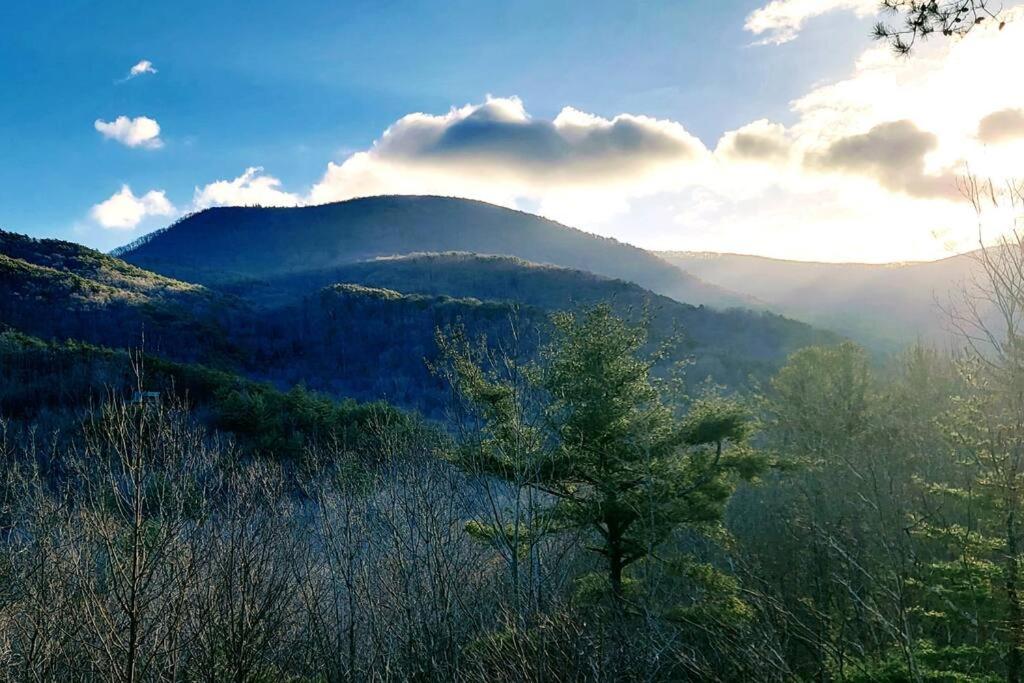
pixel 369 337
pixel 61 290
pixel 755 336
pixel 221 245
pixel 884 305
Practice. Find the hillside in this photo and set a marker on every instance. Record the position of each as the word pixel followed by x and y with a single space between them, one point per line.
pixel 372 343
pixel 60 290
pixel 887 305
pixel 51 383
pixel 456 274
pixel 709 333
pixel 362 330
pixel 221 245
pixel 89 264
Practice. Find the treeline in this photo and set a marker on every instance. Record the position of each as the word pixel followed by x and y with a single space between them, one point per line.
pixel 851 523
pixel 51 385
pixel 583 517
pixel 358 341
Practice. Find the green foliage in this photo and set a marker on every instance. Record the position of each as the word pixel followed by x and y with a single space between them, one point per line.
pixel 618 464
pixel 707 595
pixel 892 538
pixel 821 400
pixel 961 664
pixel 284 424
pixel 68 377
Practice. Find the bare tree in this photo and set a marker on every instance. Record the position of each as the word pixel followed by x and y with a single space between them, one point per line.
pixel 988 429
pixel 140 489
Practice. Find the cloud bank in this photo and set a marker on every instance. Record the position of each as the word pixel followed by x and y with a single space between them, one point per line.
pixel 892 153
pixel 497 151
pixel 1002 126
pixel 760 141
pixel 252 188
pixel 141 131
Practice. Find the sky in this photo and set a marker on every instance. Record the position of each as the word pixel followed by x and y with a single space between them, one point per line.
pixel 771 127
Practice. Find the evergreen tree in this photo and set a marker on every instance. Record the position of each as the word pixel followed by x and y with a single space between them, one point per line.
pixel 613 455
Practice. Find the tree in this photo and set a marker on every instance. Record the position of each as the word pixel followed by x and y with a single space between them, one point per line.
pixel 499 423
pixel 617 462
pixel 838 540
pixel 983 517
pixel 923 18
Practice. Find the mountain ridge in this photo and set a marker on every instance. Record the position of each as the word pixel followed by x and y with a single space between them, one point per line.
pixel 222 244
pixel 883 305
pixel 366 330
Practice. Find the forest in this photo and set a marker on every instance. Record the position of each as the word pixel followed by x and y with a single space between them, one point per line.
pixel 583 513
pixel 533 342
pixel 350 332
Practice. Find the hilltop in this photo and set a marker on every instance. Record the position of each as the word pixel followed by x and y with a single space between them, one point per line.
pixel 223 245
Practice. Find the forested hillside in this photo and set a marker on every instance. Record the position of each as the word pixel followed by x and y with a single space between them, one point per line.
pixel 55 289
pixel 886 305
pixel 568 510
pixel 225 244
pixel 51 384
pixel 357 341
pixel 728 346
pixel 370 343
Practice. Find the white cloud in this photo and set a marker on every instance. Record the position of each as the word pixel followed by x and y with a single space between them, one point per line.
pixel 141 131
pixel 782 20
pixel 872 158
pixel 141 68
pixel 893 153
pixel 249 189
pixel 124 211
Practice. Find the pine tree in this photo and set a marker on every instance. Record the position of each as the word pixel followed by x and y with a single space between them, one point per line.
pixel 615 458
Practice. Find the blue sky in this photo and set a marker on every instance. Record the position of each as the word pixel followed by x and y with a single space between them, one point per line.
pixel 289 87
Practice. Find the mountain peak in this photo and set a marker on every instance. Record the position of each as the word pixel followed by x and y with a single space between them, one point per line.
pixel 219 246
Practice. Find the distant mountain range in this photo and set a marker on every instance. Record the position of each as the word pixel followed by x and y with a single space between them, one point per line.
pixel 284 250
pixel 224 245
pixel 351 307
pixel 885 306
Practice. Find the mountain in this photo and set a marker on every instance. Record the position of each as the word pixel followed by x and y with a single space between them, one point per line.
pixel 61 290
pixel 222 245
pixel 884 305
pixel 709 333
pixel 363 330
pixel 458 274
pixel 369 340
